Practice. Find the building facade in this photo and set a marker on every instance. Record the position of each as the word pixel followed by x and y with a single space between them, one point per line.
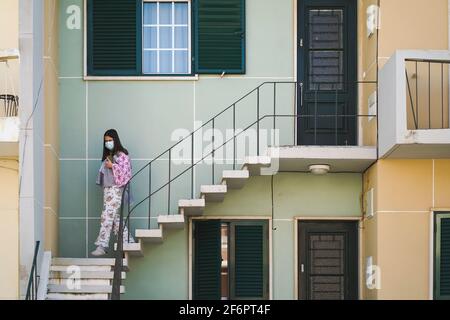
pixel 294 149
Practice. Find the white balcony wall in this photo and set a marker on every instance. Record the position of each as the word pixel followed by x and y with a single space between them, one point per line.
pixel 395 139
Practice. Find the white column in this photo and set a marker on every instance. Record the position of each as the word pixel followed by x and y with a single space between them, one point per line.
pixel 31 156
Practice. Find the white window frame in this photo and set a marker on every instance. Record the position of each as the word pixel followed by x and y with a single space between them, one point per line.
pixel 173 25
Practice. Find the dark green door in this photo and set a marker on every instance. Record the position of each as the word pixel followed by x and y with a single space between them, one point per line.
pixel 207 260
pixel 442 256
pixel 328 260
pixel 327 61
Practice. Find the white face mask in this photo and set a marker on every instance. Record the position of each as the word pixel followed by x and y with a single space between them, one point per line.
pixel 109 145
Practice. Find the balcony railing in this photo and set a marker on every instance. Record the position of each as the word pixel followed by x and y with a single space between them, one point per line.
pixel 9 105
pixel 414 105
pixel 9 121
pixel 427 93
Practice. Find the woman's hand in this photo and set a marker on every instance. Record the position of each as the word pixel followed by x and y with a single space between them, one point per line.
pixel 108 163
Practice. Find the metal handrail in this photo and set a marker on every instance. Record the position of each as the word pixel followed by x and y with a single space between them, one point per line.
pixel 33 280
pixel 119 250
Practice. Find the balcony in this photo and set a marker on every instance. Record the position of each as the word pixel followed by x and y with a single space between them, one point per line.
pixel 9 126
pixel 414 105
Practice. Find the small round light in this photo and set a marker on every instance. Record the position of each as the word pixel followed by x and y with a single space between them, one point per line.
pixel 319 169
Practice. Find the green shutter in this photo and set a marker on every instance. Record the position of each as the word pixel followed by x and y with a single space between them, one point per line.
pixel 208 260
pixel 219 36
pixel 249 271
pixel 442 258
pixel 114 37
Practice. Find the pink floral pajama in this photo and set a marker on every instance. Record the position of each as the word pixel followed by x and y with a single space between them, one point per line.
pixel 110 219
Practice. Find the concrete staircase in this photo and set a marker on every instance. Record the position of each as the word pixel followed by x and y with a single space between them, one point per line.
pixel 97 274
pixel 82 278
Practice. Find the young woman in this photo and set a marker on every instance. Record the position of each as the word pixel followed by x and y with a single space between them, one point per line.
pixel 114 174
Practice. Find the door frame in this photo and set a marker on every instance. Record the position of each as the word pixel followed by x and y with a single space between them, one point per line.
pixel 297 60
pixel 305 218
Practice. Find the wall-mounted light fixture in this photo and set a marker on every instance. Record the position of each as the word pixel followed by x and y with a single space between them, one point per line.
pixel 319 169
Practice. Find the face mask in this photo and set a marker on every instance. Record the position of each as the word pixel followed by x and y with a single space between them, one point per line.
pixel 109 145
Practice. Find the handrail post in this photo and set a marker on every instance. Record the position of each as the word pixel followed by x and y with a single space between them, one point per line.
pixel 192 165
pixel 336 116
pixel 315 117
pixel 234 136
pixel 257 123
pixel 32 280
pixel 442 95
pixel 417 122
pixel 429 95
pixel 213 149
pixel 411 100
pixel 274 109
pixel 149 195
pixel 168 198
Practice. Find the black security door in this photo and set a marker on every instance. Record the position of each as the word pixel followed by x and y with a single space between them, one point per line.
pixel 328 260
pixel 327 61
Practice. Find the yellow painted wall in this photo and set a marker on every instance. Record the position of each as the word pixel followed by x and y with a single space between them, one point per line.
pixel 405 24
pixel 9 195
pixel 369 234
pixel 9 229
pixel 367 72
pixel 403 255
pixel 406 191
pixel 417 24
pixel 51 100
pixel 413 24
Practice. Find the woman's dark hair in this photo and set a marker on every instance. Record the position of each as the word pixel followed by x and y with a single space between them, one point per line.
pixel 117 144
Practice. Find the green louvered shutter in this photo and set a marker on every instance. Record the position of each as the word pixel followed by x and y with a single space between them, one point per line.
pixel 442 259
pixel 114 37
pixel 249 271
pixel 207 261
pixel 219 36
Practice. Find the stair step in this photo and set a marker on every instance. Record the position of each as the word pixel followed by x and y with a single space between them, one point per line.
pixel 133 249
pixel 82 268
pixel 191 207
pixel 56 288
pixel 77 296
pixel 86 262
pixel 85 275
pixel 173 221
pixel 150 235
pixel 213 193
pixel 254 164
pixel 82 282
pixel 235 179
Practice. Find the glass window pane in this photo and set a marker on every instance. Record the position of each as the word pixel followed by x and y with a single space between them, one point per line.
pixel 181 62
pixel 165 61
pixel 165 13
pixel 181 37
pixel 326 29
pixel 149 65
pixel 181 13
pixel 150 13
pixel 150 37
pixel 165 37
pixel 326 70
